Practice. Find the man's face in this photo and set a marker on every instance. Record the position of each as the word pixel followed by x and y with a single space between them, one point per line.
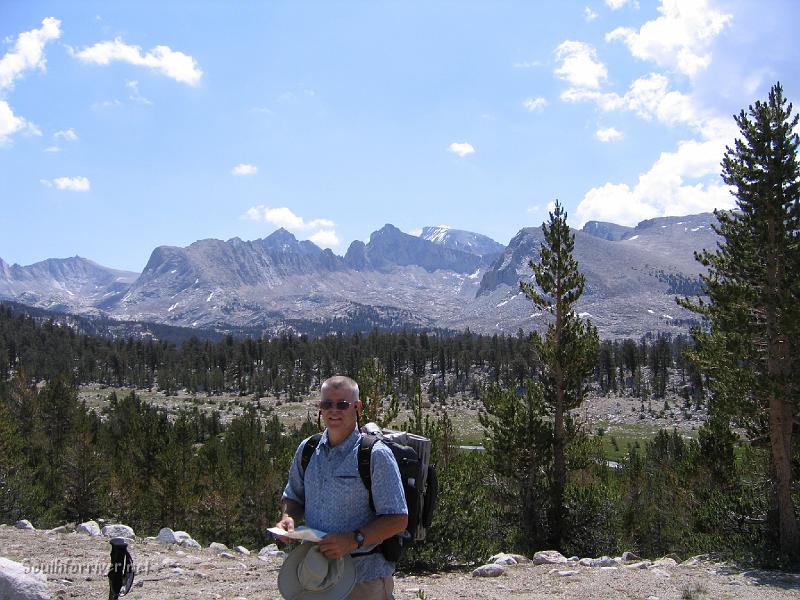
pixel 339 421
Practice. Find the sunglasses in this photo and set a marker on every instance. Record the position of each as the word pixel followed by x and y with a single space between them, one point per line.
pixel 329 404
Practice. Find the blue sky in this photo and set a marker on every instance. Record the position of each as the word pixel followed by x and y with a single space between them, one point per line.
pixel 129 125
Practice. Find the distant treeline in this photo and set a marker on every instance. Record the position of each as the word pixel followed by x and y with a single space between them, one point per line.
pixel 290 365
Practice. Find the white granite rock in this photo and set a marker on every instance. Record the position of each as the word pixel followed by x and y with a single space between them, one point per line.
pixel 89 527
pixel 665 562
pixel 60 529
pixel 118 531
pixel 503 559
pixel 241 550
pixel 24 524
pixel 166 536
pixel 267 549
pixel 549 557
pixel 217 547
pixel 489 571
pixel 184 539
pixel 18 583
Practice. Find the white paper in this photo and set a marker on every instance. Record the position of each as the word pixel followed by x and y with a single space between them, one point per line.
pixel 301 533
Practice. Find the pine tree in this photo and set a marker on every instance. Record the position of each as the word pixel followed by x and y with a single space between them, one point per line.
pixel 751 351
pixel 568 349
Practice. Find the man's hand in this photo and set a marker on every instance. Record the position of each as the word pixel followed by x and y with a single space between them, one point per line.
pixel 287 524
pixel 336 545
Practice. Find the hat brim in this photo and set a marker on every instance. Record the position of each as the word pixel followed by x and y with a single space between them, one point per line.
pixel 289 585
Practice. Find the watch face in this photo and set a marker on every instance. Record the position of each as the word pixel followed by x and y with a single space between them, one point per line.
pixel 359 538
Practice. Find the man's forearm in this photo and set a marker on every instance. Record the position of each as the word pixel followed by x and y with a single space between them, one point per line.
pixel 384 527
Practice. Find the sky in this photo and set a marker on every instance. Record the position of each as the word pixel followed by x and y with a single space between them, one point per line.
pixel 130 125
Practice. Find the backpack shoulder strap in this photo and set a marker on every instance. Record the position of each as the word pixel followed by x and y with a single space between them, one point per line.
pixel 308 452
pixel 364 461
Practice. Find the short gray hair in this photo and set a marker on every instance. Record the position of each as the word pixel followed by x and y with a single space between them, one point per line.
pixel 339 382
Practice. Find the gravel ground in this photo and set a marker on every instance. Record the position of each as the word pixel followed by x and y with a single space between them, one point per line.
pixel 75 566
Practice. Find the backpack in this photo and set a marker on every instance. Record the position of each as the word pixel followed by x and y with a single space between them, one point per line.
pixel 420 485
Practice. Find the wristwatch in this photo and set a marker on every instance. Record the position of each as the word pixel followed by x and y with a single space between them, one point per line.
pixel 359 537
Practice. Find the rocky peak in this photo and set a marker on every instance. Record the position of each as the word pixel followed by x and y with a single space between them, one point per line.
pixel 458 239
pixel 606 231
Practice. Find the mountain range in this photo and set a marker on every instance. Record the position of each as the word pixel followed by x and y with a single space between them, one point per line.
pixel 443 278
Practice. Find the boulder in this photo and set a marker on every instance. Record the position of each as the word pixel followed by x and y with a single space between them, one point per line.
pixel 642 564
pixel 18 582
pixel 241 550
pixel 266 550
pixel 24 524
pixel 569 573
pixel 167 536
pixel 549 557
pixel 217 547
pixel 630 556
pixel 665 562
pixel 673 556
pixel 503 559
pixel 118 530
pixel 489 571
pixel 60 529
pixel 89 527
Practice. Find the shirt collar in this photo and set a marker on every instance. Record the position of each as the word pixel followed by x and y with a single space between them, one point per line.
pixel 348 441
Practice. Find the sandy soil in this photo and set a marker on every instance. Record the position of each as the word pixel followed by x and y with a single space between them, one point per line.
pixel 75 566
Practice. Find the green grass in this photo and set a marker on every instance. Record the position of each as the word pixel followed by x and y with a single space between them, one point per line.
pixel 626 435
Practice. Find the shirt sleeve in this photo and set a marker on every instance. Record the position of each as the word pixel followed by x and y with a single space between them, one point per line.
pixel 295 487
pixel 387 487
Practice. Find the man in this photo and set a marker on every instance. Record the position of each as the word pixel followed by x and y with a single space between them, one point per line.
pixel 332 497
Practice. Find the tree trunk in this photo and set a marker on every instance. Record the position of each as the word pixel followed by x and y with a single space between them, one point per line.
pixel 559 478
pixel 780 433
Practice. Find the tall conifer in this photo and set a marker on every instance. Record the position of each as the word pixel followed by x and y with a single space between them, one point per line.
pixel 568 349
pixel 751 352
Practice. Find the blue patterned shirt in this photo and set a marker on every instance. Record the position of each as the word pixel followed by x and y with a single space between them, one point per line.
pixel 336 500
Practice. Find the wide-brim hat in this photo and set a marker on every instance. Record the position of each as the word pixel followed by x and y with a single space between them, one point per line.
pixel 307 575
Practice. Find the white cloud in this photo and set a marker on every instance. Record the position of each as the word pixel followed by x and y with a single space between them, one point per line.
pixel 9 122
pixel 579 65
pixel 136 96
pixel 608 134
pixel 244 169
pixel 534 104
pixel 325 238
pixel 106 104
pixel 589 15
pixel 172 63
pixel 417 231
pixel 52 149
pixel 462 149
pixel 680 38
pixel 679 183
pixel 527 64
pixel 616 4
pixel 73 184
pixel 68 135
pixel 649 97
pixel 285 217
pixel 28 52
